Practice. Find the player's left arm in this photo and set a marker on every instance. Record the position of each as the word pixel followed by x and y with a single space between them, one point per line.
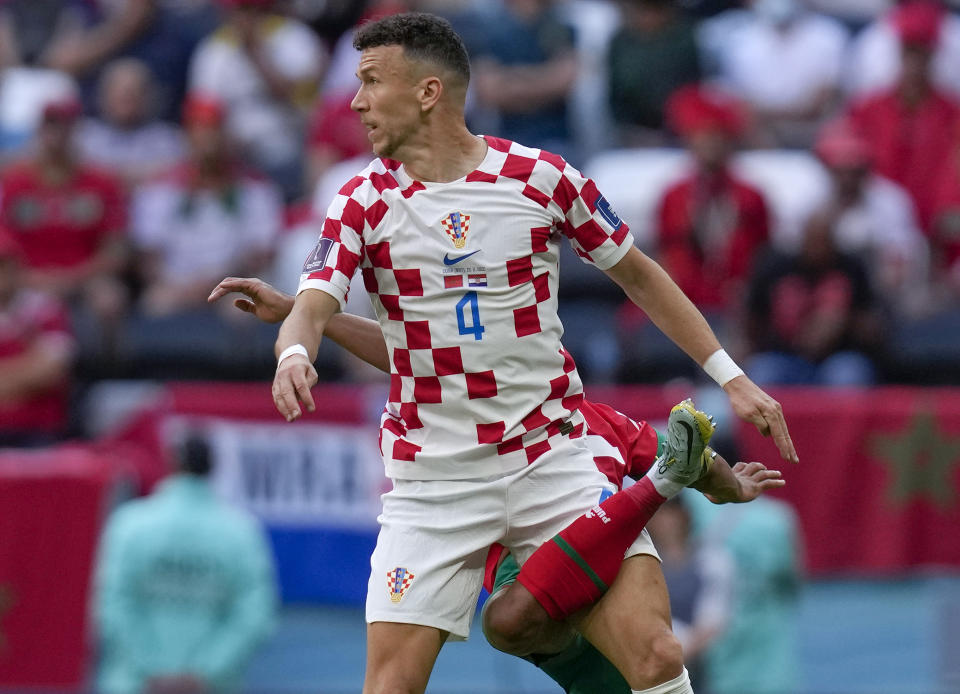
pixel 738 484
pixel 650 287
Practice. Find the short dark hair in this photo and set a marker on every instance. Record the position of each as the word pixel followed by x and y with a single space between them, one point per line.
pixel 423 37
pixel 194 455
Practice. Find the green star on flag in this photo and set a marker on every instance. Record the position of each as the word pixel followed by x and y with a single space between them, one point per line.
pixel 921 460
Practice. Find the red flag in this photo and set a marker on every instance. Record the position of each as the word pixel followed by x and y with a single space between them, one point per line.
pixel 879 477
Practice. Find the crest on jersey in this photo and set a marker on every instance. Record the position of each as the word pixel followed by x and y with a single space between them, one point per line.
pixel 398 581
pixel 456 224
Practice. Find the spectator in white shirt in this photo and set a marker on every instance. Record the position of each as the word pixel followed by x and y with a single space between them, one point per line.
pixel 785 62
pixel 126 138
pixel 874 219
pixel 265 67
pixel 855 13
pixel 206 218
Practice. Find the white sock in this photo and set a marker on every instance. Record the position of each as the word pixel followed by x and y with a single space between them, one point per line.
pixel 678 685
pixel 665 486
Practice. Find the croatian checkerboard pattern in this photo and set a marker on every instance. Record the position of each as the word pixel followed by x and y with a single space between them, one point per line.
pixel 480 383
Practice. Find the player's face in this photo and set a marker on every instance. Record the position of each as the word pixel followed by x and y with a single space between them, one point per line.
pixel 387 100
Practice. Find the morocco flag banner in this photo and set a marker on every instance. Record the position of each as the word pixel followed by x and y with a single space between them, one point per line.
pixel 878 484
pixel 52 503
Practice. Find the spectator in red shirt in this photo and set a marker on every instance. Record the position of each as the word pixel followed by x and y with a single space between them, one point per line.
pixel 909 123
pixel 710 224
pixel 69 218
pixel 36 352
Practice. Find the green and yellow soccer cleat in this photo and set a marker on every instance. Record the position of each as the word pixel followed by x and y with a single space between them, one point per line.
pixel 686 457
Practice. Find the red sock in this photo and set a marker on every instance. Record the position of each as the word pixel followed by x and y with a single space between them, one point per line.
pixel 574 568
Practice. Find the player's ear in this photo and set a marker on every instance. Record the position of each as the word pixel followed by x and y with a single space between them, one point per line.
pixel 431 89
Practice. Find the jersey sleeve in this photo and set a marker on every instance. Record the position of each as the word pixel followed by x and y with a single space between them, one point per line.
pixel 597 234
pixel 335 258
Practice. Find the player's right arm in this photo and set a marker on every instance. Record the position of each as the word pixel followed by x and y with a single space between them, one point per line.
pixel 360 336
pixel 322 292
pixel 295 375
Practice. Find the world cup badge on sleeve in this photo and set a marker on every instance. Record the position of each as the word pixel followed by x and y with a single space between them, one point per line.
pixel 456 224
pixel 317 260
pixel 398 581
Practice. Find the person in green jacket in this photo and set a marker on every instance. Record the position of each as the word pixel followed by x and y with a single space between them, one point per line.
pixel 184 588
pixel 759 651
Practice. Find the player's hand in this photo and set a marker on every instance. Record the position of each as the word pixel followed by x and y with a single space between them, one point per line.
pixel 753 479
pixel 291 386
pixel 753 405
pixel 262 300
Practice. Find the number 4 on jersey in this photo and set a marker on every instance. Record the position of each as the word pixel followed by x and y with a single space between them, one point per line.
pixel 475 328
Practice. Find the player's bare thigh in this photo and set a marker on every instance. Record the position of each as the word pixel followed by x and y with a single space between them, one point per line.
pixel 400 657
pixel 630 625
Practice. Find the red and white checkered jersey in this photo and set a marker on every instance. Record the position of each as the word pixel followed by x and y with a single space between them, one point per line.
pixel 463 278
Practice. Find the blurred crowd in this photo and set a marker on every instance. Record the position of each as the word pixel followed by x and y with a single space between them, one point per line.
pixel 149 148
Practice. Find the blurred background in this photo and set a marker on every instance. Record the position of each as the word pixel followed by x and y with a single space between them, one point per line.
pixel 794 165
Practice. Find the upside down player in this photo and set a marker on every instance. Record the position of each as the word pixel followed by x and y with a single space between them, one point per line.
pixel 513 621
pixel 482 433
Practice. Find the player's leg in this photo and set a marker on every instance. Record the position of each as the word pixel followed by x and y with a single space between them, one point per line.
pixel 400 657
pixel 574 568
pixel 630 625
pixel 426 575
pixel 514 622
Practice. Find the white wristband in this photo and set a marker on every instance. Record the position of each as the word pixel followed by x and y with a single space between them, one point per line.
pixel 291 350
pixel 721 368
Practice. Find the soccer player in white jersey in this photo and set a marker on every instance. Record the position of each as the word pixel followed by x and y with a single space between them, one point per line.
pixel 621 447
pixel 456 236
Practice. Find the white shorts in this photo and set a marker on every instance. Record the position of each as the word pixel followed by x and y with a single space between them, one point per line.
pixel 428 565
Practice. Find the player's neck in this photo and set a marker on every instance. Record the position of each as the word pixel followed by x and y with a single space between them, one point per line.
pixel 444 156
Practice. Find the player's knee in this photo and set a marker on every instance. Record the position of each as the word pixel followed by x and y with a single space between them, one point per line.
pixel 660 661
pixel 508 626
